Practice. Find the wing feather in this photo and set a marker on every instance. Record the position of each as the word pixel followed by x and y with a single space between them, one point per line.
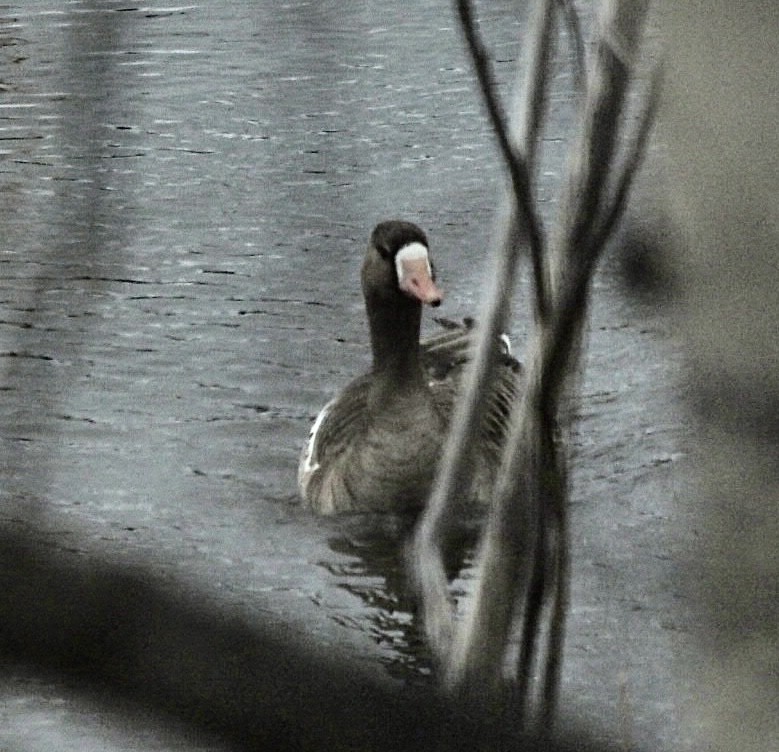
pixel 445 355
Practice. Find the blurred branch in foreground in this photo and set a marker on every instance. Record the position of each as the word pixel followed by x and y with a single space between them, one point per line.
pixel 130 638
pixel 523 562
pixel 717 124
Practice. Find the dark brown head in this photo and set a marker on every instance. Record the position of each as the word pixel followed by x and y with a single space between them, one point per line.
pixel 397 265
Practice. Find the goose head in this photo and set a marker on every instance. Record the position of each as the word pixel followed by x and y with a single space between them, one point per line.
pixel 397 271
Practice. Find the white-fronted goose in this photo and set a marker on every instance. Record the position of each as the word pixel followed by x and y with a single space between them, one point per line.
pixel 376 446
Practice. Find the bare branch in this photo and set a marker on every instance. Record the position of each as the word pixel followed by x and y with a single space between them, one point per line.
pixel 453 479
pixel 632 161
pixel 536 85
pixel 523 563
pixel 584 196
pixel 574 28
pixel 515 161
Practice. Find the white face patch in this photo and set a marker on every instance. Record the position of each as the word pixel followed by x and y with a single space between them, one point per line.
pixel 411 252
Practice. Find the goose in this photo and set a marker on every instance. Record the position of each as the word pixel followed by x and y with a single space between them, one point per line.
pixel 376 446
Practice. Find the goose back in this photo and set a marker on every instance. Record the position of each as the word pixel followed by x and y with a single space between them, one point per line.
pixel 369 456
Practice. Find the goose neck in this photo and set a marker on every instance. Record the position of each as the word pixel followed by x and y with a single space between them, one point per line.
pixel 395 342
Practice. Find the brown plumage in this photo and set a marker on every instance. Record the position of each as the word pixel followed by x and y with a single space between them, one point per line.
pixel 376 446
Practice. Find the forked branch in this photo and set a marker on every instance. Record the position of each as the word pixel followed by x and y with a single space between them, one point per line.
pixel 523 557
pixel 518 143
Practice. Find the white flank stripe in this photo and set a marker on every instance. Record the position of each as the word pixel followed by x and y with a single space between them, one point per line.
pixel 312 436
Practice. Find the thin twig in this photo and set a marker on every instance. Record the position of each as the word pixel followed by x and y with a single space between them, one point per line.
pixel 635 153
pixel 531 626
pixel 454 475
pixel 515 161
pixel 536 85
pixel 574 28
pixel 560 593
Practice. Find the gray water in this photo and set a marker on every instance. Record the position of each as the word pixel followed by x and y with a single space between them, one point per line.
pixel 185 194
